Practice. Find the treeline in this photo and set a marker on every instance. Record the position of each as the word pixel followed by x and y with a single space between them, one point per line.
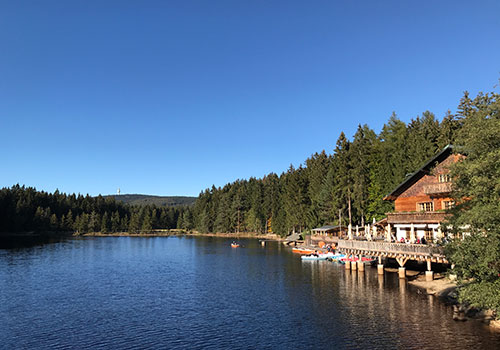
pixel 344 186
pixel 24 209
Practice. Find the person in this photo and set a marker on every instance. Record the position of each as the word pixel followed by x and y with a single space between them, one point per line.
pixel 423 241
pixel 402 240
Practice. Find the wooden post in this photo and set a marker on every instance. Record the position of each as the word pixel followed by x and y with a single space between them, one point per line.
pixel 402 261
pixel 361 266
pixel 380 266
pixel 429 274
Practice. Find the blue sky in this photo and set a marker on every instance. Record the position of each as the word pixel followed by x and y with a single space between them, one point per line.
pixel 170 97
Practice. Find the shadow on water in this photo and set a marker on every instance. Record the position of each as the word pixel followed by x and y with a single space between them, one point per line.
pixel 20 241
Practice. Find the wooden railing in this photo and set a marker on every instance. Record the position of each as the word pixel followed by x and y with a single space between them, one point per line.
pixel 444 187
pixel 391 248
pixel 416 217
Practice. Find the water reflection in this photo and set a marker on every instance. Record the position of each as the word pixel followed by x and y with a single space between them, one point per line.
pixel 383 309
pixel 185 292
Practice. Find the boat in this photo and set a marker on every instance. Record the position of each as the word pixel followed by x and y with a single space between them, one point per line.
pixel 337 257
pixel 235 245
pixel 327 255
pixel 312 257
pixel 300 250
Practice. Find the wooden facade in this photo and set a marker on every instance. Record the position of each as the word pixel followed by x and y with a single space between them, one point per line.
pixel 433 187
pixel 420 202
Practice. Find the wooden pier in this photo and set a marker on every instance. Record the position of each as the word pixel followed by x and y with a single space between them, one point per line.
pixel 402 252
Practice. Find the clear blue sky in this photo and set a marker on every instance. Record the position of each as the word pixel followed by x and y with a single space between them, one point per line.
pixel 170 97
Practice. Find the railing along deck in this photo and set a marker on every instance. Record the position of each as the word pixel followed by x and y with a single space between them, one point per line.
pixel 414 251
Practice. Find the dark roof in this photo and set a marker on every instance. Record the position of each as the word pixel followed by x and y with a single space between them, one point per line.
pixel 424 170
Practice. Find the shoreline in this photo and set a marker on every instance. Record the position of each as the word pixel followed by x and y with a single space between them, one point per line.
pixel 446 289
pixel 168 233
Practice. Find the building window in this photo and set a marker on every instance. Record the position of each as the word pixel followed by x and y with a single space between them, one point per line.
pixel 448 204
pixel 426 206
pixel 429 236
pixel 444 178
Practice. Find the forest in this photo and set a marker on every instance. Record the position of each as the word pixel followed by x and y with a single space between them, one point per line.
pixel 339 187
pixel 24 209
pixel 343 186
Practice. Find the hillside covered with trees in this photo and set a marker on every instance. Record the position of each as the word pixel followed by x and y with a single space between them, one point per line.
pixel 24 209
pixel 160 201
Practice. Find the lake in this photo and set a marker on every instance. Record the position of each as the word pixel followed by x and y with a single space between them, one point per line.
pixel 199 293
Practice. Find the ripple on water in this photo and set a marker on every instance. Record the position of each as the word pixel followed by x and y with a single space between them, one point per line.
pixel 198 293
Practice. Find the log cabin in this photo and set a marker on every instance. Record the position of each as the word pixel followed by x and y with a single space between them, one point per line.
pixel 421 200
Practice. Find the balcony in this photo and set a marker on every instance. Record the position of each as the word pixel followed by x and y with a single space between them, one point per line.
pixel 424 217
pixel 440 188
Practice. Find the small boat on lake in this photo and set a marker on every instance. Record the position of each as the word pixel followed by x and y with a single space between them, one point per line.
pixel 312 257
pixel 235 245
pixel 317 256
pixel 300 250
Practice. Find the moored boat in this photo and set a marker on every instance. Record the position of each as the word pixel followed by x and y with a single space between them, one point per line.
pixel 313 257
pixel 300 250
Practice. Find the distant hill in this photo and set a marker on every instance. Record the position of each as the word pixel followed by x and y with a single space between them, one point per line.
pixel 143 199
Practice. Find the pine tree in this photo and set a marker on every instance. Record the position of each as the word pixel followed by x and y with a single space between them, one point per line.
pixel 361 157
pixel 54 224
pixel 105 223
pixel 134 222
pixel 115 222
pixel 146 223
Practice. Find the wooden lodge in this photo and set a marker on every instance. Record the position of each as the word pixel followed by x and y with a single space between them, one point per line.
pixel 421 200
pixel 420 203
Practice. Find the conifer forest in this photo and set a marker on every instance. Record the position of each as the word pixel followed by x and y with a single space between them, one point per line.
pixel 344 185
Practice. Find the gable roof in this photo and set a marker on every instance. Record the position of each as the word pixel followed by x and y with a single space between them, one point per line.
pixel 424 170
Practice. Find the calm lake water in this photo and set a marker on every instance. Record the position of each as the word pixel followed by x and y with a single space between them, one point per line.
pixel 199 293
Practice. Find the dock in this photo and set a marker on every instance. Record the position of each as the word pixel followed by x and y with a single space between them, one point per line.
pixel 402 252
